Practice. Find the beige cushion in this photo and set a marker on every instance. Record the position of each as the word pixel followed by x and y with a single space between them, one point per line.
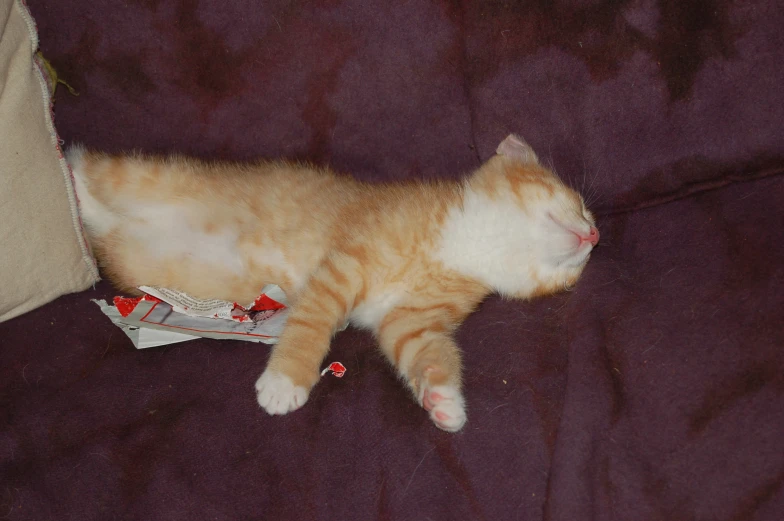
pixel 43 253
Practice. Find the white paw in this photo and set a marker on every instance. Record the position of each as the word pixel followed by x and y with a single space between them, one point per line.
pixel 446 406
pixel 277 394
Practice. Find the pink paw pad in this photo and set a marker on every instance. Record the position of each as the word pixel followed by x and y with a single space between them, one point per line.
pixel 430 400
pixel 446 407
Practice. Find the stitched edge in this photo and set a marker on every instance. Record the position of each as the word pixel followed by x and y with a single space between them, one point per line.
pixel 65 168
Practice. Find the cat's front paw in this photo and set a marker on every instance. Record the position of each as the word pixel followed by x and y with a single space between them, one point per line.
pixel 446 406
pixel 277 393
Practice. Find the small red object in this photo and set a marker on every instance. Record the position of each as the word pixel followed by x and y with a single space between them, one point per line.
pixel 264 303
pixel 337 369
pixel 126 305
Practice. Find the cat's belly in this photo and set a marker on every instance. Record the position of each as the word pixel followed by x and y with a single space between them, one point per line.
pixel 180 257
pixel 267 262
pixel 183 243
pixel 215 260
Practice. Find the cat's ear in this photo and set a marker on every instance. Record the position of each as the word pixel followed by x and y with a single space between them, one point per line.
pixel 513 146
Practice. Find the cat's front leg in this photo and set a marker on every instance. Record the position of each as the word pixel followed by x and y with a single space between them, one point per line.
pixel 321 307
pixel 419 343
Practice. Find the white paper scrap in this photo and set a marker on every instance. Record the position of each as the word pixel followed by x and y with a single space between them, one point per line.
pixel 177 317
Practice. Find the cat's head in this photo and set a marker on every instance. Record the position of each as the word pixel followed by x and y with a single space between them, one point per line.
pixel 546 230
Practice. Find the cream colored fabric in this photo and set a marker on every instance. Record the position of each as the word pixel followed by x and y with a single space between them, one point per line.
pixel 43 253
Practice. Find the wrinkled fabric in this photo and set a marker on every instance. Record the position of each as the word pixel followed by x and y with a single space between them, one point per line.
pixel 654 390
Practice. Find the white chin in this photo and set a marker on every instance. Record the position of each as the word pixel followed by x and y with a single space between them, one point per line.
pixel 579 258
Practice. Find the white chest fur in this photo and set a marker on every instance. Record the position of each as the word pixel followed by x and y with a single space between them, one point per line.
pixel 491 240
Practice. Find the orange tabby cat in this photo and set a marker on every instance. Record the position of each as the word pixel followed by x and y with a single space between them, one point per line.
pixel 408 261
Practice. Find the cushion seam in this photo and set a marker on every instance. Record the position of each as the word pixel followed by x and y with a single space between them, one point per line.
pixel 694 189
pixel 65 169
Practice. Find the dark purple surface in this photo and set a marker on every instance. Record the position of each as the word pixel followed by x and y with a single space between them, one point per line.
pixel 653 391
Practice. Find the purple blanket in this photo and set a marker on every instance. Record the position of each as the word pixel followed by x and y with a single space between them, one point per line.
pixel 652 391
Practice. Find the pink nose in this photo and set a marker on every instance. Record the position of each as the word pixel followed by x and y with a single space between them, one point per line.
pixel 593 236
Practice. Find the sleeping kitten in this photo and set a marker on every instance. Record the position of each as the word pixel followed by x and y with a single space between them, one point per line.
pixel 408 261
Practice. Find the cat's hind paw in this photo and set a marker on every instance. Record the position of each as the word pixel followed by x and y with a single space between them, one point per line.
pixel 277 394
pixel 446 406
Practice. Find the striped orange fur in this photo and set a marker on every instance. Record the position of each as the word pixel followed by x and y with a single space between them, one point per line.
pixel 409 261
